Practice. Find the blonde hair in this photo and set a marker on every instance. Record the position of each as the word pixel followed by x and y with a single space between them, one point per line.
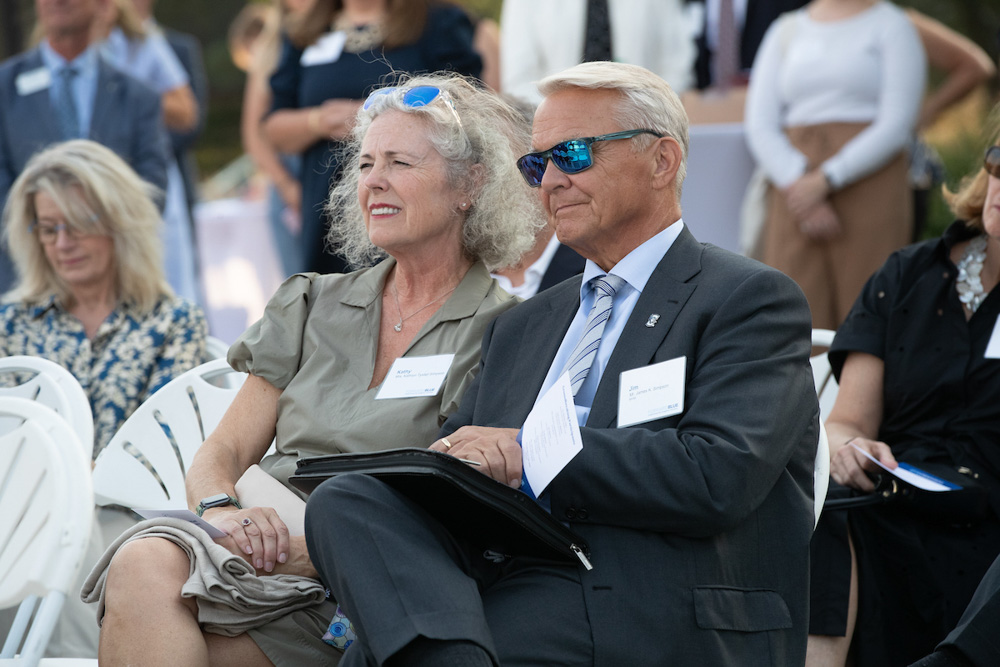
pixel 98 193
pixel 968 201
pixel 127 18
pixel 480 143
pixel 648 102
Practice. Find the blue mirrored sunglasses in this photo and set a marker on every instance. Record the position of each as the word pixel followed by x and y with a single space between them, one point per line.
pixel 570 157
pixel 418 96
pixel 991 162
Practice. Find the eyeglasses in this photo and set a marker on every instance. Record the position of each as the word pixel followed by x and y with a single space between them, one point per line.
pixel 48 234
pixel 415 97
pixel 570 157
pixel 991 162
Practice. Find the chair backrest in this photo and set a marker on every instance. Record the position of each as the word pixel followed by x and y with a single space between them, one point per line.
pixel 826 391
pixel 46 514
pixel 826 384
pixel 217 348
pixel 144 465
pixel 53 386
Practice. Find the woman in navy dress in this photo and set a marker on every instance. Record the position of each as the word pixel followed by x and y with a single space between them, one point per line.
pixel 332 57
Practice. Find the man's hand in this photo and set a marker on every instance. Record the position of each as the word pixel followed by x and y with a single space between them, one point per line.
pixel 849 466
pixel 495 449
pixel 256 534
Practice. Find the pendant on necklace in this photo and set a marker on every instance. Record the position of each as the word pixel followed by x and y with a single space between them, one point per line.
pixel 398 327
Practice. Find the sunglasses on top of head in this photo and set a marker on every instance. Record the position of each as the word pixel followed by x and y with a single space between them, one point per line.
pixel 991 162
pixel 570 157
pixel 415 97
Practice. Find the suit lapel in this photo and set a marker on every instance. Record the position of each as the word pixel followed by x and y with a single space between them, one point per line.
pixel 667 290
pixel 543 335
pixel 105 102
pixel 37 111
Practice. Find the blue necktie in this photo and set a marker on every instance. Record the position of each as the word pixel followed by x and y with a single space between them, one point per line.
pixel 66 111
pixel 585 351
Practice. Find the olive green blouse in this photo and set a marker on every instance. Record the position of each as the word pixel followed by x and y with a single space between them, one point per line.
pixel 317 342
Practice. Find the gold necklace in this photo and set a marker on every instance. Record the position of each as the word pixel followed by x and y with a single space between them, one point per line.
pixel 395 295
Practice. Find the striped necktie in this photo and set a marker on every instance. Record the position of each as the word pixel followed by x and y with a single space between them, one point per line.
pixel 727 56
pixel 585 351
pixel 66 112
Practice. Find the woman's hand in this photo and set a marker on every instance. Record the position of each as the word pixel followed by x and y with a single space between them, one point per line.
pixel 334 118
pixel 821 222
pixel 495 449
pixel 298 562
pixel 290 191
pixel 807 192
pixel 849 467
pixel 256 534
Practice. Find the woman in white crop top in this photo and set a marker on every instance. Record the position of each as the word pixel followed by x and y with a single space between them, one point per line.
pixel 834 94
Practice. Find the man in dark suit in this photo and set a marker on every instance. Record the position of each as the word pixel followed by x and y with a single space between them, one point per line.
pixel 63 89
pixel 697 520
pixel 753 19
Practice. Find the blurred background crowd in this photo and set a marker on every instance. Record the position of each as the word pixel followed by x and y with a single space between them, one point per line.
pixel 246 168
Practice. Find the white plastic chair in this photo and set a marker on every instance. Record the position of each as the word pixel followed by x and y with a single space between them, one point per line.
pixel 56 388
pixel 144 465
pixel 826 384
pixel 826 391
pixel 46 513
pixel 217 348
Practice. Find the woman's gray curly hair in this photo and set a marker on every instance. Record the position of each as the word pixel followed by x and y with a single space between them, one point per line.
pixel 503 217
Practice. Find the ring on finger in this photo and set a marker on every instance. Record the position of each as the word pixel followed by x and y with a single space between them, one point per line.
pixel 247 521
pixel 447 445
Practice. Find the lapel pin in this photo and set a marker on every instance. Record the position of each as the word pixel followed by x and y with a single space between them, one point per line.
pixel 651 322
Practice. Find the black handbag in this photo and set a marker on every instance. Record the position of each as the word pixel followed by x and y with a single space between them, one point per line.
pixel 965 505
pixel 499 520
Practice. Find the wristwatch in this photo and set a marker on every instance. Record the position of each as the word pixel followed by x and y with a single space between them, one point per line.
pixel 218 500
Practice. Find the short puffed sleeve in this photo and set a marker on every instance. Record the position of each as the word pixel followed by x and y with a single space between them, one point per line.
pixel 272 347
pixel 866 326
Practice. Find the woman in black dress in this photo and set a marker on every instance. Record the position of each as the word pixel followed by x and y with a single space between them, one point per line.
pixel 919 383
pixel 333 56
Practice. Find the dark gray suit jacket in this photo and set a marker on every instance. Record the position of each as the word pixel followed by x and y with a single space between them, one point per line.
pixel 127 118
pixel 698 524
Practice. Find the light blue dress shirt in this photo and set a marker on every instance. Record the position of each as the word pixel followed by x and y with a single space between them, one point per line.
pixel 635 268
pixel 84 84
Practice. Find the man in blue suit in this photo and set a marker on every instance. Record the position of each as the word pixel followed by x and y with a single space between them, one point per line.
pixel 62 90
pixel 697 513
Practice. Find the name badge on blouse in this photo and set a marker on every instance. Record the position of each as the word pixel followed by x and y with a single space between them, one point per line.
pixel 651 392
pixel 993 347
pixel 327 49
pixel 33 81
pixel 415 377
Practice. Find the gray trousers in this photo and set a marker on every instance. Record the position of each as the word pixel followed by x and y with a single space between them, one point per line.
pixel 977 634
pixel 399 575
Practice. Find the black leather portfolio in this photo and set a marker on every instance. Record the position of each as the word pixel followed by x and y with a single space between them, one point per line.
pixel 487 514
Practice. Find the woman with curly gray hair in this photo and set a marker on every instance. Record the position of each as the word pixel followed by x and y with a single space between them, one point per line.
pixel 336 362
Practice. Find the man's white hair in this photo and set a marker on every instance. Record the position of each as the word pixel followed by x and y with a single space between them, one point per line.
pixel 648 102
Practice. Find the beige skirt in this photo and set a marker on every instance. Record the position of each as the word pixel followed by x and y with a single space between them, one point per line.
pixel 876 217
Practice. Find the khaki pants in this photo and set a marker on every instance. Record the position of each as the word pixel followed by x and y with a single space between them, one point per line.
pixel 876 216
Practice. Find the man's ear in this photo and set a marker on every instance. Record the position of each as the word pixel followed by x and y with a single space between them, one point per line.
pixel 667 155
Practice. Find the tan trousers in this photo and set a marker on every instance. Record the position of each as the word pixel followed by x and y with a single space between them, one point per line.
pixel 876 217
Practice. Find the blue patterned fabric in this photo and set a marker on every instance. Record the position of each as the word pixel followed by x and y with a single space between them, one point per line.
pixel 129 358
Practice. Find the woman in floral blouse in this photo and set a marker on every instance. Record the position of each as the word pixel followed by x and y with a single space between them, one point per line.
pixel 83 232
